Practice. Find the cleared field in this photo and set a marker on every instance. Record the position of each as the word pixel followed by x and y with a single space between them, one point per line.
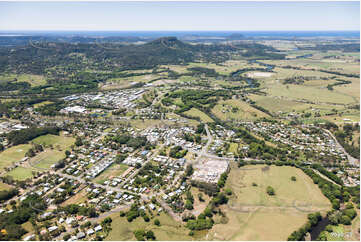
pixel 58 141
pixel 21 173
pixel 254 215
pixel 33 80
pixel 259 74
pixel 142 124
pixel 224 68
pixel 36 105
pixel 352 89
pixel 13 154
pixel 223 110
pixel 4 186
pixel 308 93
pixel 274 104
pixel 113 171
pixel 169 230
pixel 197 113
pixel 47 158
pixel 79 198
pixel 233 147
pixel 198 206
pixel 343 64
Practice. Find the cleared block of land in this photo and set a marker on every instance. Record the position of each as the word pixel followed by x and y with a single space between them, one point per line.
pixel 112 171
pixel 243 111
pixel 254 215
pixel 169 229
pixel 197 113
pixel 4 186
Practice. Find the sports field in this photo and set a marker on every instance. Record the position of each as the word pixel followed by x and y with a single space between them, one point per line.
pixel 254 215
pixel 13 154
pixel 54 150
pixel 21 173
pixel 57 141
pixel 47 158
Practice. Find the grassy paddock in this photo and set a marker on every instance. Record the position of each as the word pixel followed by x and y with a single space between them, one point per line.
pixel 169 229
pixel 223 110
pixel 33 80
pixel 254 215
pixel 4 186
pixel 197 113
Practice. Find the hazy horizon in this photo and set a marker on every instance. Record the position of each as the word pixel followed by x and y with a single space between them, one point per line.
pixel 180 16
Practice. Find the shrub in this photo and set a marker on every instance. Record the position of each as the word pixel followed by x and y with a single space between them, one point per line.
pixel 157 222
pixel 270 191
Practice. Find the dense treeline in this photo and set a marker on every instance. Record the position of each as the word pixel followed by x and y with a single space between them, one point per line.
pixel 202 70
pixel 24 135
pixel 66 64
pixel 327 173
pixel 299 235
pixel 11 222
pixel 12 86
pixel 8 194
pixel 344 135
pixel 338 83
pixel 331 191
pixel 134 142
pixel 327 47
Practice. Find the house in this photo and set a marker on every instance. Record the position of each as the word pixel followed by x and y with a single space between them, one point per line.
pixel 98 228
pixel 29 237
pixel 90 232
pixel 69 220
pixel 52 228
pixel 80 235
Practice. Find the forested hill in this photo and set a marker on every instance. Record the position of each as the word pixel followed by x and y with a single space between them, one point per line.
pixel 38 57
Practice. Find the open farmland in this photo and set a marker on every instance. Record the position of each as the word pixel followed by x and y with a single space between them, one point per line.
pixel 254 215
pixel 315 95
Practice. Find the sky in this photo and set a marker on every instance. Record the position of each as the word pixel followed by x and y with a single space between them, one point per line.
pixel 180 16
